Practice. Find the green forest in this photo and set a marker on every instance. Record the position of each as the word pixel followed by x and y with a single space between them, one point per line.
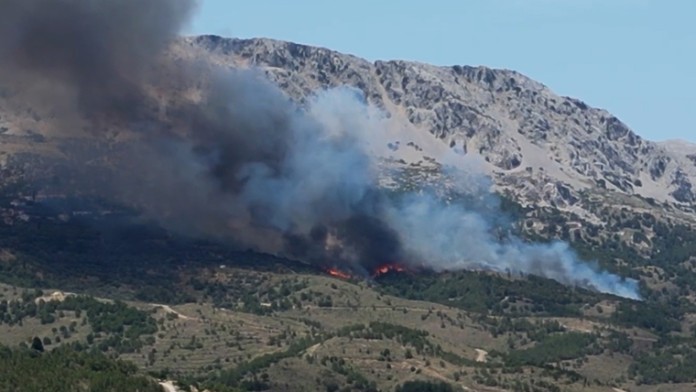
pixel 68 369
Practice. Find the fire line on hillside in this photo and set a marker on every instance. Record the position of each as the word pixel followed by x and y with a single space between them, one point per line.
pixel 236 154
pixel 376 273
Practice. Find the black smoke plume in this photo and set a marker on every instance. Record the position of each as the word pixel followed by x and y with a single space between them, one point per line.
pixel 225 154
pixel 103 50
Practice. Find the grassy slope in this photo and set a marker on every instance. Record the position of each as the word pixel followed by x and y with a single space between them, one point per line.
pixel 198 339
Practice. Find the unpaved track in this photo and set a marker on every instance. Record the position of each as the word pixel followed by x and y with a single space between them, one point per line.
pixel 168 386
pixel 169 309
pixel 481 355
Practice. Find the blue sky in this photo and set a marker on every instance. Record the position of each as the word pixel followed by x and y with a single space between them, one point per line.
pixel 635 58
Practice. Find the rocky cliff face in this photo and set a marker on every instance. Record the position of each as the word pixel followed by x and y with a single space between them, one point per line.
pixel 542 147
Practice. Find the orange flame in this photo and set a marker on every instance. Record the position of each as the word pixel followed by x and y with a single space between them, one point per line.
pixel 337 273
pixel 381 270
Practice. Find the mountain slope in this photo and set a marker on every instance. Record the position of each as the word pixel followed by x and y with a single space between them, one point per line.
pixel 253 321
pixel 518 126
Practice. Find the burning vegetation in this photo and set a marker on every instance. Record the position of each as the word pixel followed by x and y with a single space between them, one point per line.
pixel 377 272
pixel 238 160
pixel 337 273
pixel 387 268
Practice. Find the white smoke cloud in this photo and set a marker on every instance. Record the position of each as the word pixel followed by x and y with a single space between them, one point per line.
pixel 440 235
pixel 241 162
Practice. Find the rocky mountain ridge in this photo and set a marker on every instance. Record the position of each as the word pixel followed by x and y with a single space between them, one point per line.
pixel 542 147
pixel 574 179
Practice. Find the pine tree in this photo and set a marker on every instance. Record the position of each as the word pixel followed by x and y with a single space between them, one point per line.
pixel 37 345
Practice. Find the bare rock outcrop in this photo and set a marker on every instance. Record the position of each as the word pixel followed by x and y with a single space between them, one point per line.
pixel 517 125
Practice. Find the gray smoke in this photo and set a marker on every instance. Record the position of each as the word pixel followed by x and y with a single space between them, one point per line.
pixel 103 50
pixel 466 239
pixel 240 162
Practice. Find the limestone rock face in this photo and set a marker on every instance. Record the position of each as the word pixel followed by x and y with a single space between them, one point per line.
pixel 542 149
pixel 541 146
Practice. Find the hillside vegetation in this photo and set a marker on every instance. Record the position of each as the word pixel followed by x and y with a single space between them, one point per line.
pixel 96 297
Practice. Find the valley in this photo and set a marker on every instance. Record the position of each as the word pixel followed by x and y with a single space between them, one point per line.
pixel 246 321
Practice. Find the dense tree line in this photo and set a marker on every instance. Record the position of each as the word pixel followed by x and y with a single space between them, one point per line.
pixel 66 369
pixel 425 386
pixel 675 364
pixel 535 331
pixel 554 348
pixel 235 378
pixel 483 292
pixel 110 317
pixel 118 325
pixel 661 318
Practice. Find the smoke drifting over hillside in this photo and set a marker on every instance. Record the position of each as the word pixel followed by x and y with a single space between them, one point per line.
pixel 241 162
pixel 102 49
